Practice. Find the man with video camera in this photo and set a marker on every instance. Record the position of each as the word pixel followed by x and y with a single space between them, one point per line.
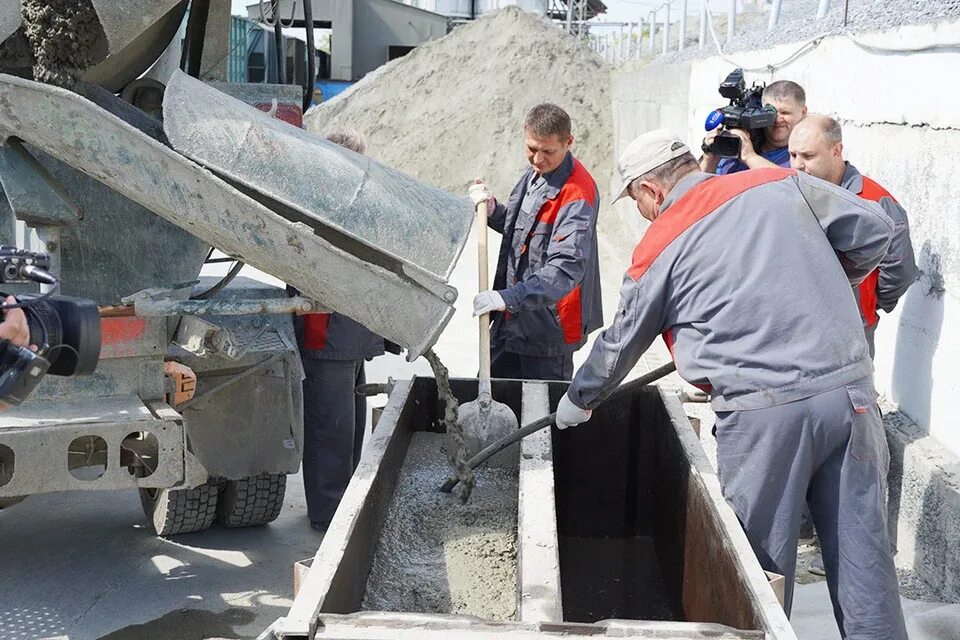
pixel 42 333
pixel 14 326
pixel 789 100
pixel 15 329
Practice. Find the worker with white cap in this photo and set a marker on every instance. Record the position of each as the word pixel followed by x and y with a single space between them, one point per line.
pixel 740 275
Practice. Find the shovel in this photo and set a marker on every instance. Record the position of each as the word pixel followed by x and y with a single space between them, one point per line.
pixel 484 421
pixel 493 449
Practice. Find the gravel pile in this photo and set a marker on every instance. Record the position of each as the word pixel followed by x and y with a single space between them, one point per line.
pixel 453 109
pixel 798 23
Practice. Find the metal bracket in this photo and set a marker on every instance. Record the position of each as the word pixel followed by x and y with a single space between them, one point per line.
pixel 274 19
pixel 203 338
pixel 35 196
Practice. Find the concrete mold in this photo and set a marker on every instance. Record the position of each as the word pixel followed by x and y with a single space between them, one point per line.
pixel 620 530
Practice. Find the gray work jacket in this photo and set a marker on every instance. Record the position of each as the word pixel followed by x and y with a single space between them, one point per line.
pixel 548 271
pixel 740 274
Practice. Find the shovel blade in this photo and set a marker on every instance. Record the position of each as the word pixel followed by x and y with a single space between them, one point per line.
pixel 484 425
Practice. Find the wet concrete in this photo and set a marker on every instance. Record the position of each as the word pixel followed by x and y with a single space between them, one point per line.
pixel 438 555
pixel 458 454
pixel 66 38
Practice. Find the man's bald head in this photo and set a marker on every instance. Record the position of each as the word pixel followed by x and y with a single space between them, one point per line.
pixel 816 147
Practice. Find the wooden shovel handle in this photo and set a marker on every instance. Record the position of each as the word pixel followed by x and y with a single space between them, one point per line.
pixel 484 284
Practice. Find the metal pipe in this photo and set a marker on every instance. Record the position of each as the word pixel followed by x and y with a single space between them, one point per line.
pixel 569 16
pixel 311 80
pixel 731 20
pixel 682 43
pixel 703 25
pixel 583 6
pixel 653 30
pixel 621 44
pixel 280 50
pixel 774 15
pixel 823 9
pixel 196 28
pixel 666 29
pixel 164 308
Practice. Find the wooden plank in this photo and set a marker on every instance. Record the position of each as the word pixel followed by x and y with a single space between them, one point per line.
pixel 538 554
pixel 722 579
pixel 337 577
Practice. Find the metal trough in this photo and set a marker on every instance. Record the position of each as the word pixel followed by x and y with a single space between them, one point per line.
pixel 621 531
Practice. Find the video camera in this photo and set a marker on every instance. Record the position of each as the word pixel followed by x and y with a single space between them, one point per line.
pixel 64 330
pixel 745 111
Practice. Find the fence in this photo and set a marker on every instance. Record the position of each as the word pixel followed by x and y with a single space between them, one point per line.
pixel 651 34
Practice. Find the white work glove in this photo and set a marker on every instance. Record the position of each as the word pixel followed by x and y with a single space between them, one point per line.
pixel 478 193
pixel 487 301
pixel 569 414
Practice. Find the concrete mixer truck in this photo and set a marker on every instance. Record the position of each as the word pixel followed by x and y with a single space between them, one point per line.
pixel 128 173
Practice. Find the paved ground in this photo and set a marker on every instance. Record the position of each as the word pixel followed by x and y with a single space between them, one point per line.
pixel 87 565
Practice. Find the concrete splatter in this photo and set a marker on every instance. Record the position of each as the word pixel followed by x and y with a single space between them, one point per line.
pixel 450 406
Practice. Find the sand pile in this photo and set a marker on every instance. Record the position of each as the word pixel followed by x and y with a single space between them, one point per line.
pixel 453 109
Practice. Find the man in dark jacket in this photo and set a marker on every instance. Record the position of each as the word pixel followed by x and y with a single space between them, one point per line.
pixel 333 349
pixel 546 292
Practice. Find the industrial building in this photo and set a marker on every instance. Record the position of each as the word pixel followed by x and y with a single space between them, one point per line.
pixel 364 33
pixel 470 9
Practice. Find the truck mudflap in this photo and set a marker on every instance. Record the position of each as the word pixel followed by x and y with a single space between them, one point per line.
pixel 391 295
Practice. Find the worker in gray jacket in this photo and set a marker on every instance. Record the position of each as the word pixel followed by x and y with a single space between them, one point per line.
pixel 740 275
pixel 816 147
pixel 333 349
pixel 546 291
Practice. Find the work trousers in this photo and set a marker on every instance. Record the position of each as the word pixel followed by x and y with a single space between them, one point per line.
pixel 334 417
pixel 504 364
pixel 828 451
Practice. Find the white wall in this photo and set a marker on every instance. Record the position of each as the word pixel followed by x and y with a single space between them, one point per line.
pixel 461 8
pixel 902 127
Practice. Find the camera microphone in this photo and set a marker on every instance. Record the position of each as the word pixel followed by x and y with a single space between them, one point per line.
pixel 36 274
pixel 714 120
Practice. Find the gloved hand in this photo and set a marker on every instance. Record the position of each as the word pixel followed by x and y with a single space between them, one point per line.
pixel 478 193
pixel 569 414
pixel 487 301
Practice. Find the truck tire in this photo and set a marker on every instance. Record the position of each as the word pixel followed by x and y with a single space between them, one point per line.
pixel 176 511
pixel 251 501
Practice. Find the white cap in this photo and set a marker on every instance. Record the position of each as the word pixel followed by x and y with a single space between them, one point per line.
pixel 647 152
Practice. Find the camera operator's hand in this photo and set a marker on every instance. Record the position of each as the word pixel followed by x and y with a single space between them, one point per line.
pixel 709 160
pixel 14 326
pixel 749 155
